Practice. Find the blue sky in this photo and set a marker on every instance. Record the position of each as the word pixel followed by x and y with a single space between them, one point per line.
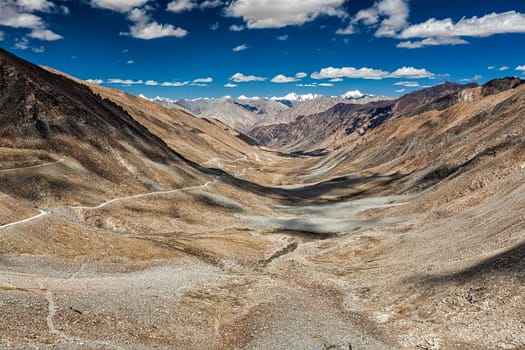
pixel 212 48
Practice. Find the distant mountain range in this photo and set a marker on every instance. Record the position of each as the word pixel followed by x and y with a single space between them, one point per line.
pixel 244 113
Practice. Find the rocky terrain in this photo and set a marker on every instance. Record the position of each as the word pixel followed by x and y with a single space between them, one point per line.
pixel 307 130
pixel 245 113
pixel 127 225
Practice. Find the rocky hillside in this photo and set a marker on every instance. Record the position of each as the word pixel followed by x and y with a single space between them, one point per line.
pixel 309 131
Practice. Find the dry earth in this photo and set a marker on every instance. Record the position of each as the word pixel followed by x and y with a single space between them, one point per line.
pixel 409 237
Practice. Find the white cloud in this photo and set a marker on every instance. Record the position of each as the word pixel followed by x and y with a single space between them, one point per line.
pixel 282 37
pixel 22 44
pixel 336 80
pixel 178 6
pixel 307 85
pixel 349 72
pixel 239 48
pixel 431 42
pixel 278 13
pixel 241 78
pixel 490 67
pixel 474 78
pixel 407 83
pixel 493 23
pixel 236 28
pixel 521 68
pixel 400 90
pixel 301 75
pixel 346 31
pixel 370 73
pixel 392 16
pixel 214 26
pixel 230 85
pixel 95 81
pixel 280 79
pixel 18 14
pixel 411 73
pixel 326 84
pixel 352 94
pixel 151 83
pixel 446 32
pixel 38 49
pixel 118 5
pixel 45 34
pixel 175 84
pixel 124 81
pixel 146 28
pixel 203 80
pixel 36 5
pixel 130 62
pixel 211 4
pixel 503 68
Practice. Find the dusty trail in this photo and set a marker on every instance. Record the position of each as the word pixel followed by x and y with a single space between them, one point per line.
pixel 41 214
pixel 33 166
pixel 114 200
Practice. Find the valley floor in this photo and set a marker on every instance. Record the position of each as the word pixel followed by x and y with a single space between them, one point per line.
pixel 197 268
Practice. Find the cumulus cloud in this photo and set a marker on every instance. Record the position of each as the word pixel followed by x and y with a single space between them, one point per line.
pixel 236 28
pixel 230 85
pixel 521 68
pixel 20 14
pixel 181 5
pixel 45 34
pixel 118 5
pixel 203 80
pixel 350 72
pixel 21 44
pixel 301 75
pixel 447 32
pixel 371 73
pixel 474 78
pixel 503 68
pixel 411 73
pixel 124 81
pixel 130 62
pixel 175 84
pixel 95 81
pixel 494 23
pixel 400 90
pixel 211 4
pixel 241 78
pixel 390 15
pixel 178 6
pixel 407 83
pixel 151 82
pixel 431 42
pixel 277 13
pixel 145 27
pixel 239 48
pixel 280 79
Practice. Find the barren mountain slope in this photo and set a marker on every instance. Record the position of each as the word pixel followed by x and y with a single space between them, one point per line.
pixel 315 105
pixel 67 137
pixel 308 132
pixel 203 259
